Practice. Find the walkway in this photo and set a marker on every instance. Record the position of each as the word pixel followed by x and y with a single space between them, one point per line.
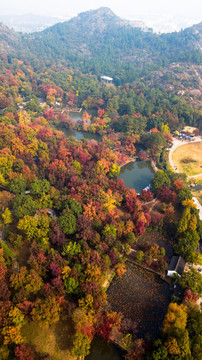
pixel 199 207
pixel 193 176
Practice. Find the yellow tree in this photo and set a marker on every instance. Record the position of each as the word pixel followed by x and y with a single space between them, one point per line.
pixel 7 216
pixel 176 318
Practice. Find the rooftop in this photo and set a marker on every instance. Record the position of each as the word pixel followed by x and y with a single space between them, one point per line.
pixel 107 78
pixel 177 264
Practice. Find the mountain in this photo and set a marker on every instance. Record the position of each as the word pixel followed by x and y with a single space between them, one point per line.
pixel 98 20
pixel 102 33
pixel 101 42
pixel 9 39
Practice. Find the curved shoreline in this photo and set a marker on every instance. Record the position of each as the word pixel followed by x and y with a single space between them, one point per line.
pixel 128 162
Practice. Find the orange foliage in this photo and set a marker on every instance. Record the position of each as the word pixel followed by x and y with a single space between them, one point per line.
pixel 120 269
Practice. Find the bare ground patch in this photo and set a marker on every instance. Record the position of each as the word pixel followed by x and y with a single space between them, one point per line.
pixel 55 340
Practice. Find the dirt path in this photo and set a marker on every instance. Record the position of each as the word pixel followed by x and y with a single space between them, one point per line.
pixel 108 279
pixel 199 207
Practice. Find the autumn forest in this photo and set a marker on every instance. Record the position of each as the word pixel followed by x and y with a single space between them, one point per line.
pixel 70 227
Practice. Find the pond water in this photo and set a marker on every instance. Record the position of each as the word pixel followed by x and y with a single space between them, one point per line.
pixel 137 175
pixel 74 115
pixel 80 134
pixel 101 350
pixel 142 297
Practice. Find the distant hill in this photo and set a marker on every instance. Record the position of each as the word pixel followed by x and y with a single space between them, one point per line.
pixel 28 22
pixel 101 42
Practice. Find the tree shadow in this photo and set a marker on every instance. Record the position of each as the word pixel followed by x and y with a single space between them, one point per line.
pixel 64 331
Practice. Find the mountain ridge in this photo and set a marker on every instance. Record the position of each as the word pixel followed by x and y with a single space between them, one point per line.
pixel 99 41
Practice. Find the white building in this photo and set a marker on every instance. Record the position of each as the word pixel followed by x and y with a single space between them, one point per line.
pixel 106 79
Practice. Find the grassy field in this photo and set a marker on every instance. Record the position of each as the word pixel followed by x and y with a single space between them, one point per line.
pixel 55 340
pixel 187 158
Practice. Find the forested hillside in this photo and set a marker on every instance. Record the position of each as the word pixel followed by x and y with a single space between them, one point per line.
pixel 68 222
pixel 101 42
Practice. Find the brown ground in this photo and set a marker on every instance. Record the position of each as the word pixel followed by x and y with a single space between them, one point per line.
pixel 55 340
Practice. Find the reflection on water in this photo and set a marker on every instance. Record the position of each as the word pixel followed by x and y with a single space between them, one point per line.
pixel 137 175
pixel 101 350
pixel 78 115
pixel 81 135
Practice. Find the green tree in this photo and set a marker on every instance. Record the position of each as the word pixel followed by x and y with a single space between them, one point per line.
pixel 81 345
pixel 130 238
pixel 184 194
pixel 46 311
pixel 24 205
pixel 184 221
pixel 187 244
pixel 7 216
pixel 159 351
pixel 38 187
pixel 71 285
pixel 160 179
pixel 18 185
pixel 114 171
pixel 71 248
pixel 139 255
pixel 36 228
pixel 109 231
pixel 127 341
pixel 75 207
pixel 16 317
pixel 67 223
pixel 192 280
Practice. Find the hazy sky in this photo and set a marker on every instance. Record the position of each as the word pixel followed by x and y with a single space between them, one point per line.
pixel 125 8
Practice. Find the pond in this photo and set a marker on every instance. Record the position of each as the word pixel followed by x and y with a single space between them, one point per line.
pixel 142 297
pixel 76 116
pixel 101 350
pixel 80 134
pixel 137 175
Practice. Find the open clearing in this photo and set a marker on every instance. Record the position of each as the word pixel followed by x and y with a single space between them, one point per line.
pixel 187 158
pixel 54 341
